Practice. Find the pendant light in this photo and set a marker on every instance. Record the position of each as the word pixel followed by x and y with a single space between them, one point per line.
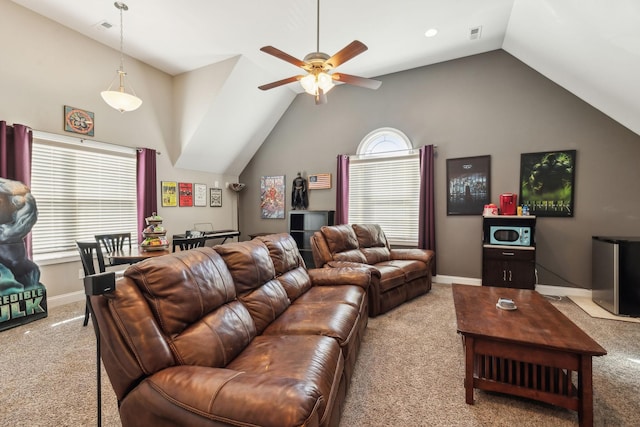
pixel 120 99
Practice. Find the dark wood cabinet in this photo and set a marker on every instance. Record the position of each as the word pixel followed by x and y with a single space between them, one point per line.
pixel 505 265
pixel 302 225
pixel 511 268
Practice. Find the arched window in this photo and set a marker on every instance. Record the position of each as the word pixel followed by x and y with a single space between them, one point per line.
pixel 384 181
pixel 384 142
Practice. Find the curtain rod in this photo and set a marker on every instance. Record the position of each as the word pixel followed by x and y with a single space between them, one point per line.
pixel 66 139
pixel 404 150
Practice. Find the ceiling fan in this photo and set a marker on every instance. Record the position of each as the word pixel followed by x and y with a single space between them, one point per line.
pixel 317 64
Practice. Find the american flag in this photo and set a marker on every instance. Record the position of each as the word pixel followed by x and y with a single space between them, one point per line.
pixel 320 181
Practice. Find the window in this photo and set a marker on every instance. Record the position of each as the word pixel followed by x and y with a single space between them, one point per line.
pixel 81 189
pixel 384 182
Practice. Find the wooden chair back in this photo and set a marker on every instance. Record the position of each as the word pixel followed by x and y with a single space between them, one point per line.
pixel 186 243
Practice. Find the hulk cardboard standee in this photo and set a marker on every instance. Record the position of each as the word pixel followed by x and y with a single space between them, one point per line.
pixel 22 297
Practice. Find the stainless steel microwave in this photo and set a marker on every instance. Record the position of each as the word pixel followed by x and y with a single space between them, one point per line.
pixel 509 235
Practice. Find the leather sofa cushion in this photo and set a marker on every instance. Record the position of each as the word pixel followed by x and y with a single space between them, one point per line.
pixel 340 238
pixel 376 255
pixel 216 339
pixel 355 296
pixel 314 361
pixel 197 395
pixel 390 276
pixel 249 264
pixel 295 282
pixel 204 281
pixel 328 319
pixel 283 251
pixel 412 269
pixel 354 255
pixel 254 277
pixel 370 236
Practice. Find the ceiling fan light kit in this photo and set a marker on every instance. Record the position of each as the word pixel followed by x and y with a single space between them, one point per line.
pixel 120 99
pixel 318 65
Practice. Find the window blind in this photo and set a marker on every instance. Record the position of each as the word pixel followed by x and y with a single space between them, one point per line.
pixel 385 192
pixel 80 192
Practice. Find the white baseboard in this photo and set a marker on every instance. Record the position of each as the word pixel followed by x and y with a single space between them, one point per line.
pixel 543 289
pixel 448 280
pixel 64 299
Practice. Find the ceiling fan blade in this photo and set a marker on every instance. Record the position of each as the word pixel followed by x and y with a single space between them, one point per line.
pixel 356 81
pixel 280 82
pixel 282 55
pixel 352 49
pixel 321 97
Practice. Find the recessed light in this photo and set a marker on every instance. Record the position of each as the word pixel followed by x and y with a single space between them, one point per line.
pixel 431 32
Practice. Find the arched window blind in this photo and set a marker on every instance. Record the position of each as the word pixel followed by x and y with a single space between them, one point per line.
pixel 384 182
pixel 80 192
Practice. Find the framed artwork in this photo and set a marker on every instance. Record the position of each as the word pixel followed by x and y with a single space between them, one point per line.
pixel 79 121
pixel 199 194
pixel 169 193
pixel 547 182
pixel 272 197
pixel 468 185
pixel 185 190
pixel 320 181
pixel 216 197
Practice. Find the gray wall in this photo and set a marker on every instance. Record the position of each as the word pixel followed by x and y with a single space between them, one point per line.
pixel 488 104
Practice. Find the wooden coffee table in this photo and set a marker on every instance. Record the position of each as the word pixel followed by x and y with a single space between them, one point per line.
pixel 534 351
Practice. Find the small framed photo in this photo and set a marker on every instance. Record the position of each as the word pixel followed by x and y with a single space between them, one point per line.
pixel 79 121
pixel 468 185
pixel 199 194
pixel 216 197
pixel 169 192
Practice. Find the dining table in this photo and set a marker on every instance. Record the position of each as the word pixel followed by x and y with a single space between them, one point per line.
pixel 134 254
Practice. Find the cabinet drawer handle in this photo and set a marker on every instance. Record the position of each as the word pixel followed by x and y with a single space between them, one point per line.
pixel 508 253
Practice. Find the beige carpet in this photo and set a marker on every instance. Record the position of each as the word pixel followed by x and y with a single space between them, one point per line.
pixel 409 373
pixel 594 310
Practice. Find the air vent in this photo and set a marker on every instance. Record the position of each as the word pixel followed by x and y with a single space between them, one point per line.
pixel 103 25
pixel 474 33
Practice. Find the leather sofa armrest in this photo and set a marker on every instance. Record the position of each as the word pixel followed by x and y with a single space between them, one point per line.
pixel 424 255
pixel 198 395
pixel 357 275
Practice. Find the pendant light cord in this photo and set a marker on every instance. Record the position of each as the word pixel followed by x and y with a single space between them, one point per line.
pixel 318 28
pixel 121 6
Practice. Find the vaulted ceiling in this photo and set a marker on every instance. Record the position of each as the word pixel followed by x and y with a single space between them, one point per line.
pixel 590 47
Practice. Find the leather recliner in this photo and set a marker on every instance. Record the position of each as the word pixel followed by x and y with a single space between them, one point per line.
pixel 398 274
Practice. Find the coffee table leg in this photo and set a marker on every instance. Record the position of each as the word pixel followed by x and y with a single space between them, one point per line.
pixel 468 369
pixel 585 392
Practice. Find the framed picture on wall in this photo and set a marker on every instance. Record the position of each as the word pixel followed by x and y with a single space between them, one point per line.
pixel 468 185
pixel 185 190
pixel 272 197
pixel 169 193
pixel 216 197
pixel 547 182
pixel 199 194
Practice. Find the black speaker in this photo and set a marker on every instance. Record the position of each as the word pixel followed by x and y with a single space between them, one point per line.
pixel 101 283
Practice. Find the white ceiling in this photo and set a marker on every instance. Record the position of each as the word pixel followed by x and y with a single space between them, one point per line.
pixel 590 47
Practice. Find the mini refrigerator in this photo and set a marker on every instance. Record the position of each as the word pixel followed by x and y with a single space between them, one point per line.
pixel 615 274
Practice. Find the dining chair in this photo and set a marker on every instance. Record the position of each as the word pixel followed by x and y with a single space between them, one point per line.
pixel 86 250
pixel 186 243
pixel 114 242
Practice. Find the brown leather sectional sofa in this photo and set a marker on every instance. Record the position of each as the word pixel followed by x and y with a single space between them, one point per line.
pixel 237 335
pixel 398 274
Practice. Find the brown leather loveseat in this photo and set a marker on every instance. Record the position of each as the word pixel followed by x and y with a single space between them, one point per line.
pixel 399 274
pixel 237 335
